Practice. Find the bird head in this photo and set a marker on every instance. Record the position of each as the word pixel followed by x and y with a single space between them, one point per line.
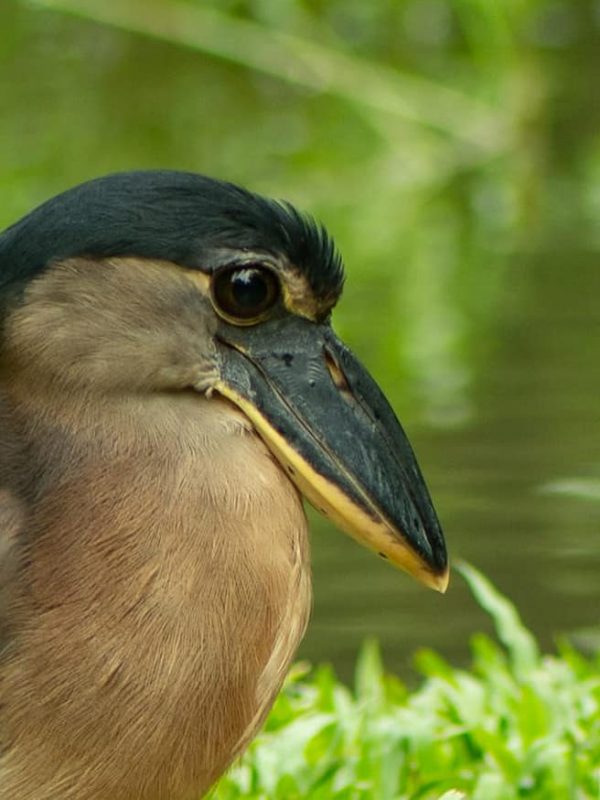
pixel 168 281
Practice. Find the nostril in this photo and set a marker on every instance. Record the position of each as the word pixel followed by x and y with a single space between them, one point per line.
pixel 337 376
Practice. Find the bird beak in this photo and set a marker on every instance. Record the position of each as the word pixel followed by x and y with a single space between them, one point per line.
pixel 329 425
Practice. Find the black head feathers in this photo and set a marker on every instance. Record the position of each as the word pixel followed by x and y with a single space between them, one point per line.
pixel 174 216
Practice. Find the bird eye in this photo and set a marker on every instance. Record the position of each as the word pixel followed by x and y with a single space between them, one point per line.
pixel 244 295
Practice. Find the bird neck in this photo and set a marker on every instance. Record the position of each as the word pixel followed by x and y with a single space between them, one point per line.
pixel 169 550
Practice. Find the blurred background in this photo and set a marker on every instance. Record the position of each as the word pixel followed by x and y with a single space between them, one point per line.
pixel 452 148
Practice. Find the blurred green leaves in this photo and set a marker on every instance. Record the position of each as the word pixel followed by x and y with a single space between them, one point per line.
pixel 302 61
pixel 515 725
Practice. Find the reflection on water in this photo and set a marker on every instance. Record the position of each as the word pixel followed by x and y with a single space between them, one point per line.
pixel 472 291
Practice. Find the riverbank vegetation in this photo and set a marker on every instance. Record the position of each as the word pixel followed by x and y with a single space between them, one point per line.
pixel 515 724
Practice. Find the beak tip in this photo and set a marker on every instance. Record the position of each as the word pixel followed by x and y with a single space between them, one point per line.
pixel 440 581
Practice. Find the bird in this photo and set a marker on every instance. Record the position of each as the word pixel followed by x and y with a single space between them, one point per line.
pixel 171 390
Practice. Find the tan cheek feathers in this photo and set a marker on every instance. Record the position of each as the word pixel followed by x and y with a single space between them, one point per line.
pixel 123 324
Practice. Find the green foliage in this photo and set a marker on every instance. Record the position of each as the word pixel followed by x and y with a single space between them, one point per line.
pixel 515 725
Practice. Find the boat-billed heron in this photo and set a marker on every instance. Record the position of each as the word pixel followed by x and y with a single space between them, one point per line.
pixel 170 388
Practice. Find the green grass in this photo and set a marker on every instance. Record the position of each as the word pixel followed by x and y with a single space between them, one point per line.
pixel 516 724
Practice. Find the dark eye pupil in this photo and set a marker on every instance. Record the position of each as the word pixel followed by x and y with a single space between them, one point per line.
pixel 245 294
pixel 248 288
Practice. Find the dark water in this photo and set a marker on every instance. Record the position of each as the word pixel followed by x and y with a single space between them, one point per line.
pixel 535 423
pixel 473 290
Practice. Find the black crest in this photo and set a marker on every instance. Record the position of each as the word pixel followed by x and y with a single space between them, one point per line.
pixel 176 216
